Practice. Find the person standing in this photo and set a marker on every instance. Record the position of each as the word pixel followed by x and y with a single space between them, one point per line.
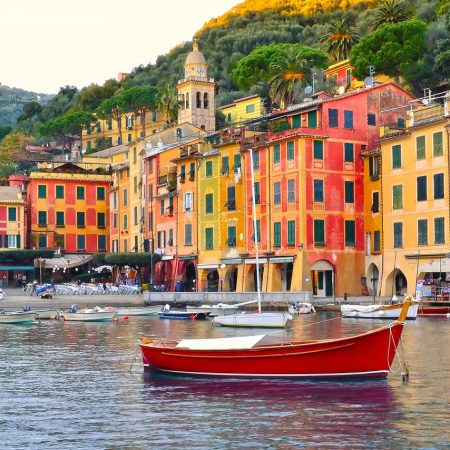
pixel 24 281
pixel 5 280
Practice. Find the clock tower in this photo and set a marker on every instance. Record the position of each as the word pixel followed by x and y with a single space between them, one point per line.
pixel 196 92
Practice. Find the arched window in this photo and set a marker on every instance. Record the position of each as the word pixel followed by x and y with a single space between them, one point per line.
pixel 181 100
pixel 205 100
pixel 187 100
pixel 199 100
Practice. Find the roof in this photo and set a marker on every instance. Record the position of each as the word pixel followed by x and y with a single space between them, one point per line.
pixel 238 100
pixel 195 56
pixel 11 194
pixel 109 151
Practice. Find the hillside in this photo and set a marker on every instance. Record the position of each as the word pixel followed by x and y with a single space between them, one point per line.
pixel 12 101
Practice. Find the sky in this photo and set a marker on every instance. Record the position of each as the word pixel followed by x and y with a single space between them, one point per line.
pixel 48 44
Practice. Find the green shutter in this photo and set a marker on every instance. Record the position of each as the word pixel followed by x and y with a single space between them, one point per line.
pixel 312 119
pixel 12 214
pixel 350 233
pixel 290 150
pixel 397 197
pixel 209 203
pixel 80 192
pixel 208 169
pixel 276 153
pixel 237 161
pixel 59 191
pixel 420 147
pixel 208 238
pixel 59 218
pixel 277 234
pixel 291 232
pixel 42 191
pixel 396 157
pixel 349 192
pixel 18 241
pixel 101 220
pixel 439 233
pixel 42 218
pixel 437 144
pixel 318 150
pixel 296 121
pixel 231 240
pixel 100 193
pixel 319 231
pixel 348 152
pixel 225 165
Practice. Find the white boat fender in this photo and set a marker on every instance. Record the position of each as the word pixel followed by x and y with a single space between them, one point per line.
pixel 166 307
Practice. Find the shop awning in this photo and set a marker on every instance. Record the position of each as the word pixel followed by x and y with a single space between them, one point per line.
pixel 207 266
pixel 253 261
pixel 66 261
pixel 437 265
pixel 29 268
pixel 281 259
pixel 232 261
pixel 187 258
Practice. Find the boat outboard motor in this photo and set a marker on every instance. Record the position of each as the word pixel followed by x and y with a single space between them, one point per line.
pixel 26 308
pixel 74 308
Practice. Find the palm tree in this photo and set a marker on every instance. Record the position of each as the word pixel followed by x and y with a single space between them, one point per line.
pixel 339 39
pixel 292 72
pixel 168 102
pixel 389 11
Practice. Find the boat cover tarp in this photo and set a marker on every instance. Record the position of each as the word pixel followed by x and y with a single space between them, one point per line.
pixel 360 308
pixel 232 343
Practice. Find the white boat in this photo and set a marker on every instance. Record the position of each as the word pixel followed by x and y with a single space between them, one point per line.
pixel 257 319
pixel 378 311
pixel 134 311
pixel 95 314
pixel 254 320
pixel 2 294
pixel 301 308
pixel 17 317
pixel 46 314
pixel 220 309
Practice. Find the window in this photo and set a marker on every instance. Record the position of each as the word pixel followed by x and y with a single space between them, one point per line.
pixel 162 209
pixel 134 155
pixel 42 191
pixel 42 241
pixel 438 181
pixel 276 153
pixel 349 233
pixel 59 218
pixel 125 197
pixel 150 192
pixel 109 124
pixel 115 220
pixel 11 241
pixel 276 193
pixel 257 193
pixel 199 99
pixel 231 239
pixel 187 234
pixel 208 169
pixel 150 165
pixel 277 234
pixel 396 156
pixel 100 193
pixel 237 162
pixel 135 184
pixel 421 188
pixel 80 219
pixel 99 127
pixel 225 165
pixel 101 220
pixel 101 243
pixel 373 168
pixel 12 214
pixel 296 121
pixel 161 239
pixel 81 242
pixel 437 144
pixel 250 108
pixel 231 196
pixel 80 192
pixel 371 119
pixel 376 241
pixel 290 151
pixel 125 245
pixel 192 171
pixel 348 152
pixel 88 145
pixel 348 119
pixel 400 122
pixel 422 232
pixel 256 236
pixel 319 232
pixel 318 150
pixel 205 101
pixel 188 201
pixel 398 235
pixel 170 241
pixel 135 215
pixel 291 191
pixel 420 147
pixel 349 192
pixel 209 244
pixel 42 218
pixel 439 233
pixel 59 192
pixel 209 203
pixel 255 160
pixel 397 197
pixel 375 202
pixel 333 118
pixel 125 222
pixel 312 119
pixel 291 232
pixel 318 191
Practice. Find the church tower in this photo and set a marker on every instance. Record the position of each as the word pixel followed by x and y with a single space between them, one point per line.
pixel 196 92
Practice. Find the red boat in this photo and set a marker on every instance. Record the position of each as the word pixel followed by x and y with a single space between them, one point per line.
pixel 433 308
pixel 365 355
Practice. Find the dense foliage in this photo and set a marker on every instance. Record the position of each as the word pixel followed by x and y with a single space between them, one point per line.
pixel 26 256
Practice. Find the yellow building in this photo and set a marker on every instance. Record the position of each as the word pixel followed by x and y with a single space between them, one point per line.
pixel 243 109
pixel 414 199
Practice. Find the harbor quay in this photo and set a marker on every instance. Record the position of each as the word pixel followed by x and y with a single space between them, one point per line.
pixel 16 298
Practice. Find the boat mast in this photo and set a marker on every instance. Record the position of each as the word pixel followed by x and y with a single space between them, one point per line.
pixel 255 230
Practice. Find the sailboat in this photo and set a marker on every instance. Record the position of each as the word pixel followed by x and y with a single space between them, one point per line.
pixel 257 319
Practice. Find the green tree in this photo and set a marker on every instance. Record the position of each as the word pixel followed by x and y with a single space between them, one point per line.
pixel 141 100
pixel 4 130
pixel 292 72
pixel 113 108
pixel 30 109
pixel 92 96
pixel 389 12
pixel 168 102
pixel 13 148
pixel 339 39
pixel 391 49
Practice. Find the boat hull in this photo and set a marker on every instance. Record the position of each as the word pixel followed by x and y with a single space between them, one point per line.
pixel 301 308
pixel 145 311
pixel 366 355
pixel 213 311
pixel 17 317
pixel 390 312
pixel 182 315
pixel 434 308
pixel 254 320
pixel 46 314
pixel 100 316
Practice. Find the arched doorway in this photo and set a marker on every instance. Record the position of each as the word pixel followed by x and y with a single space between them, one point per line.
pixel 230 280
pixel 189 276
pixel 261 274
pixel 213 281
pixel 373 279
pixel 323 279
pixel 396 283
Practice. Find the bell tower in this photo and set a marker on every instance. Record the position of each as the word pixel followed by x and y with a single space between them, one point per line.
pixel 196 92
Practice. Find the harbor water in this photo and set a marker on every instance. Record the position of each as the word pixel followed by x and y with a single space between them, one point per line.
pixel 68 385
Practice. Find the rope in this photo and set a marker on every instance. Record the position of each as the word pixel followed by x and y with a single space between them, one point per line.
pixel 401 361
pixel 134 357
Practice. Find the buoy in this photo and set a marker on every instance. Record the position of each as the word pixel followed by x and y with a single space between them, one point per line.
pixel 115 319
pixel 125 317
pixel 448 315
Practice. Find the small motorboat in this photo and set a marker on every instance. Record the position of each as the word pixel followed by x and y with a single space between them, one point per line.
pixel 17 317
pixel 365 355
pixel 220 309
pixel 95 314
pixel 134 311
pixel 254 320
pixel 379 311
pixel 301 308
pixel 182 315
pixel 43 314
